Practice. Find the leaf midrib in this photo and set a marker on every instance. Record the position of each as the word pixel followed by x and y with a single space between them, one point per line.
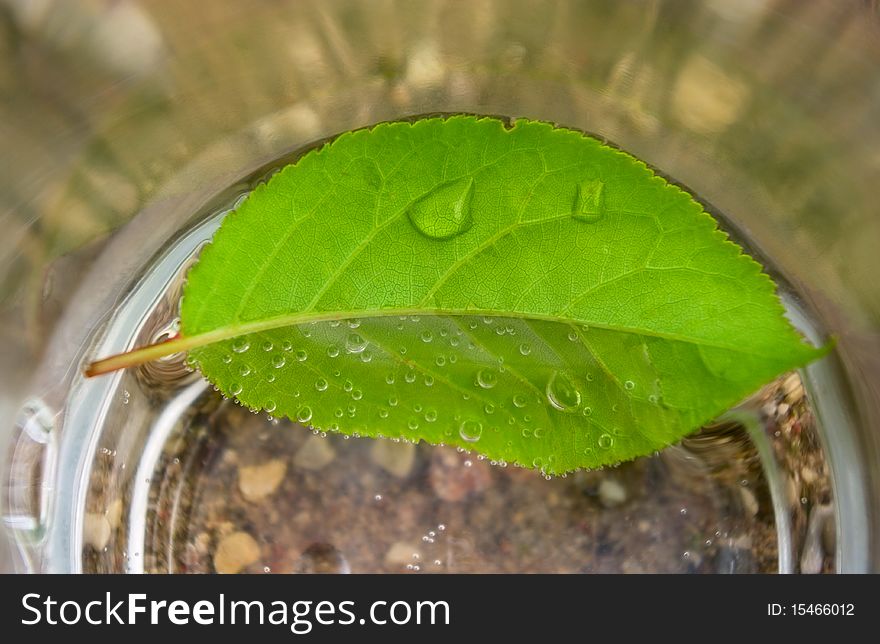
pixel 294 319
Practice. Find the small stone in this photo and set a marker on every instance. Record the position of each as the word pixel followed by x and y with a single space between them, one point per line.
pixel 322 558
pixel 96 530
pixel 314 454
pixel 401 553
pixel 114 513
pixel 793 389
pixel 750 503
pixel 808 475
pixel 395 458
pixel 452 479
pixel 814 550
pixel 256 482
pixel 829 533
pixel 611 493
pixel 235 552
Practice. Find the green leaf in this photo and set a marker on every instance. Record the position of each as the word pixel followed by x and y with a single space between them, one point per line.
pixel 525 292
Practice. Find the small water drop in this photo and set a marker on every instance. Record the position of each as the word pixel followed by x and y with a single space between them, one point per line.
pixel 410 377
pixel 268 346
pixel 278 361
pixel 304 414
pixel 431 415
pixel 244 370
pixel 426 336
pixel 629 385
pixel 321 384
pixel 525 348
pixel 389 379
pixel 235 389
pixel 357 394
pixel 562 392
pixel 606 441
pixel 332 351
pixel 470 430
pixel 287 345
pixel 270 406
pixel 227 359
pixel 589 205
pixel 240 345
pixel 440 360
pixel 355 343
pixel 445 211
pixel 301 355
pixel 487 378
pixel 519 401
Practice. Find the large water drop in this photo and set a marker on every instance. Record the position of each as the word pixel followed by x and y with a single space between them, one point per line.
pixel 445 211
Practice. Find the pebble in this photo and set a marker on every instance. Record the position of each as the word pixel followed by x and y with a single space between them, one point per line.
pixel 314 454
pixel 395 458
pixel 750 503
pixel 813 553
pixel 114 513
pixel 451 480
pixel 793 389
pixel 322 558
pixel 611 493
pixel 96 530
pixel 401 553
pixel 808 476
pixel 235 552
pixel 256 482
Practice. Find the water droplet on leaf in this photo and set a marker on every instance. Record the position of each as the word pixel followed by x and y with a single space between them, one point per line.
pixel 471 430
pixel 562 393
pixel 487 378
pixel 445 211
pixel 589 204
pixel 355 343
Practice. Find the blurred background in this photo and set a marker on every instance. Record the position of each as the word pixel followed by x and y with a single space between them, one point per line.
pixel 767 109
